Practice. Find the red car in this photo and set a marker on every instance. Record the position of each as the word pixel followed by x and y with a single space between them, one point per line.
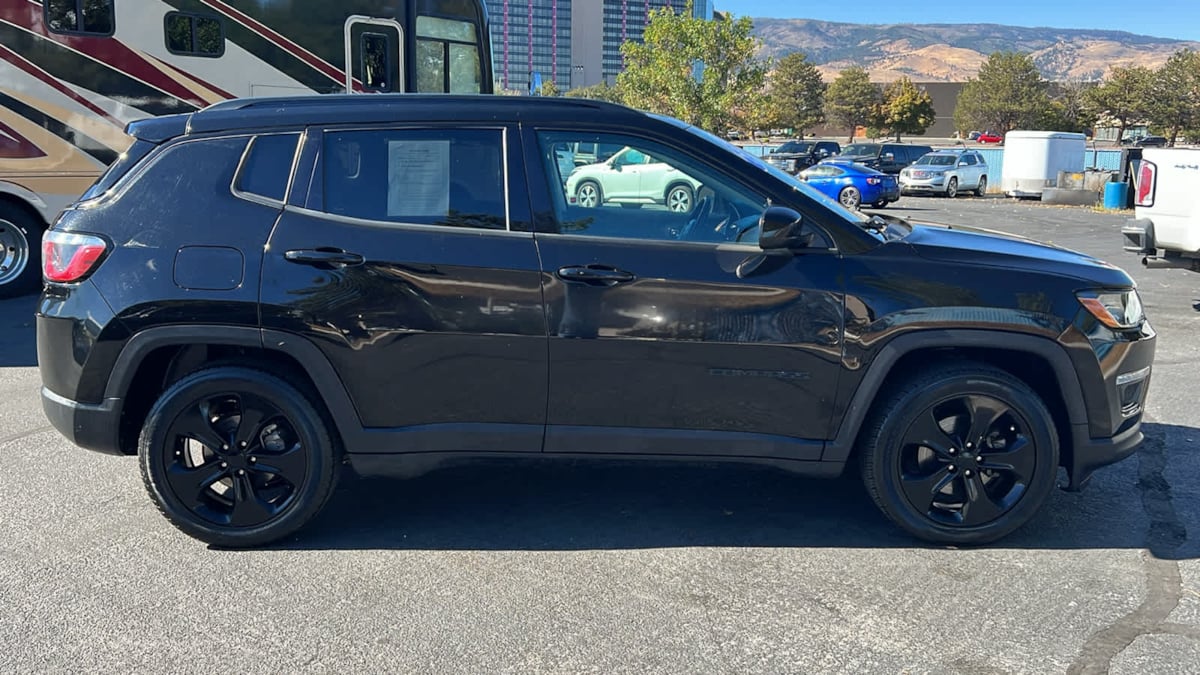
pixel 990 137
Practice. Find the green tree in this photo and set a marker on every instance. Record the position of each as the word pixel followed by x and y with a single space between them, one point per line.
pixel 1009 94
pixel 905 109
pixel 600 92
pixel 1175 94
pixel 797 94
pixel 1124 98
pixel 548 88
pixel 702 72
pixel 851 101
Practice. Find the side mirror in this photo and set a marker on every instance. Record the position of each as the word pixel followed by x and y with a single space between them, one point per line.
pixel 963 164
pixel 781 228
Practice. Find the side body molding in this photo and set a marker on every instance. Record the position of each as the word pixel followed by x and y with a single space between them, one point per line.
pixel 839 449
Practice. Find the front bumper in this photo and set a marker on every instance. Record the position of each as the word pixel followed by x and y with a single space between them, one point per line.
pixel 927 185
pixel 1117 404
pixel 93 427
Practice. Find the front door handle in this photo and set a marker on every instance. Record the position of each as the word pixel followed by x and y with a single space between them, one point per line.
pixel 326 257
pixel 595 275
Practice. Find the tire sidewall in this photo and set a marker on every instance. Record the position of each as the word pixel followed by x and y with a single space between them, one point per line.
pixel 885 460
pixel 596 187
pixel 300 413
pixel 691 196
pixel 30 279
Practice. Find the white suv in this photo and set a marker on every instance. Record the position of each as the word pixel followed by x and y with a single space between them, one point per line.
pixel 946 172
pixel 632 178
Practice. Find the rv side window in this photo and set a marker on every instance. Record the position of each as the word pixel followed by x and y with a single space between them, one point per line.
pixel 80 17
pixel 194 34
pixel 377 63
pixel 267 166
pixel 447 56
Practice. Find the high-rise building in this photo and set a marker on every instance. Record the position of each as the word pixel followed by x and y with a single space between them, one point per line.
pixel 600 27
pixel 531 39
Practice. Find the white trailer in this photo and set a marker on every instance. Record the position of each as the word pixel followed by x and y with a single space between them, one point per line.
pixel 1165 229
pixel 1033 160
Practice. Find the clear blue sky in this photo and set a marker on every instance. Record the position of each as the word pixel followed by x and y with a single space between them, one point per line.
pixel 1178 19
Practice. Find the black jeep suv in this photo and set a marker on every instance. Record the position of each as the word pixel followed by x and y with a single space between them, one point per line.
pixel 266 289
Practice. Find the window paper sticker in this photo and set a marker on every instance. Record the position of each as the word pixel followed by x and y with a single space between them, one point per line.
pixel 418 178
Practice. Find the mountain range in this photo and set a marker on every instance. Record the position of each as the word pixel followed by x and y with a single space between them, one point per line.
pixel 954 52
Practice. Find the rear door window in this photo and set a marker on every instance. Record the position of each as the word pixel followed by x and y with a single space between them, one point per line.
pixel 448 177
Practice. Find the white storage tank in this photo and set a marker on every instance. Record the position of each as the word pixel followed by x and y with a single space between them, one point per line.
pixel 1032 160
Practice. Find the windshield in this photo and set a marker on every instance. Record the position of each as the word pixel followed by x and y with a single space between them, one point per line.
pixel 794 146
pixel 796 184
pixel 939 160
pixel 861 149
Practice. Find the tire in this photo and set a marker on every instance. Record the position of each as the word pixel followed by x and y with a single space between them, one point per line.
pixel 20 251
pixel 589 195
pixel 955 494
pixel 680 199
pixel 850 197
pixel 234 494
pixel 952 188
pixel 981 189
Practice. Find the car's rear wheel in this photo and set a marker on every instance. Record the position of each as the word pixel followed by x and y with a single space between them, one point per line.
pixel 680 199
pixel 20 252
pixel 588 194
pixel 963 454
pixel 850 197
pixel 237 457
pixel 952 188
pixel 981 189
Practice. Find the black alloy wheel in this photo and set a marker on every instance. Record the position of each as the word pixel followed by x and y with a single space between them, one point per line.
pixel 236 457
pixel 960 455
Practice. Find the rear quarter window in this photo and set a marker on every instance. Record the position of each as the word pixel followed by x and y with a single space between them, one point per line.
pixel 118 169
pixel 266 167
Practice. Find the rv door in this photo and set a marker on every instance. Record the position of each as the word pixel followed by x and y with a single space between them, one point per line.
pixel 374 55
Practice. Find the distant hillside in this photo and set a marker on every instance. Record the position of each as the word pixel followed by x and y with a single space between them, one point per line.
pixel 954 52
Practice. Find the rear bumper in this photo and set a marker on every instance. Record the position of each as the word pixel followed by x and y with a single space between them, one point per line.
pixel 94 427
pixel 1138 236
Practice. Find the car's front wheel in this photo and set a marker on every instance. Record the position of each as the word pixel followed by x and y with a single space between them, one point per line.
pixel 850 197
pixel 961 454
pixel 588 194
pixel 237 457
pixel 952 188
pixel 680 199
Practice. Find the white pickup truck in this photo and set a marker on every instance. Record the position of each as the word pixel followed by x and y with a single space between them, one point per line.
pixel 1165 229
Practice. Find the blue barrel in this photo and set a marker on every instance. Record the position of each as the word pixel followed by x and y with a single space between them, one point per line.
pixel 1116 195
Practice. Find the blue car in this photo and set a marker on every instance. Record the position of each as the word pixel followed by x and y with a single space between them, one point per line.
pixel 852 184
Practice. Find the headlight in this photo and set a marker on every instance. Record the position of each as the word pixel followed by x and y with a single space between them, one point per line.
pixel 1115 309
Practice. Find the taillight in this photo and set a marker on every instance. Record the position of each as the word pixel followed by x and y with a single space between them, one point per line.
pixel 1145 184
pixel 68 257
pixel 873 181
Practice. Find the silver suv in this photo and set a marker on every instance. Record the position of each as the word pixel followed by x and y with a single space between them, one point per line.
pixel 946 172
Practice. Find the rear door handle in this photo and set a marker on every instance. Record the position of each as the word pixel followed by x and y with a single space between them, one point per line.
pixel 330 257
pixel 595 275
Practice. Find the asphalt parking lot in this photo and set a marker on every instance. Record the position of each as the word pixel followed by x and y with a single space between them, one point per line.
pixel 610 567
